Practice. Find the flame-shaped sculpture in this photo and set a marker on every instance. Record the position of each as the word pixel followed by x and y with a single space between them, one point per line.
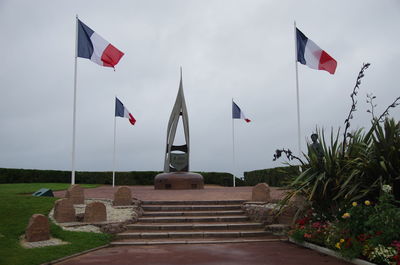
pixel 176 163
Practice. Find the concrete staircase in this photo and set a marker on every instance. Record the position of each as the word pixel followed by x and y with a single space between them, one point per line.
pixel 193 222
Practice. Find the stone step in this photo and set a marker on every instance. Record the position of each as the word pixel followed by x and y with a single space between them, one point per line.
pixel 192 213
pixel 132 242
pixel 192 234
pixel 192 202
pixel 194 226
pixel 180 219
pixel 183 207
pixel 278 229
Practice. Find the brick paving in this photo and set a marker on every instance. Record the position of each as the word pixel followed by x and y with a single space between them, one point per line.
pixel 261 253
pixel 266 253
pixel 209 193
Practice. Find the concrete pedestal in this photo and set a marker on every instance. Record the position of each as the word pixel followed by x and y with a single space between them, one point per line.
pixel 178 181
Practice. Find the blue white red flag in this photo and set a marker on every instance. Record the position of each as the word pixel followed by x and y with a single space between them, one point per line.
pixel 93 47
pixel 121 111
pixel 237 113
pixel 310 54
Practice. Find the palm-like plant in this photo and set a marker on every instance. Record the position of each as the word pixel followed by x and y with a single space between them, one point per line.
pixel 319 181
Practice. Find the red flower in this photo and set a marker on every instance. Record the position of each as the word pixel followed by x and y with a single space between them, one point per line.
pixel 302 221
pixel 396 244
pixel 348 243
pixel 396 259
pixel 307 235
pixel 363 237
pixel 316 225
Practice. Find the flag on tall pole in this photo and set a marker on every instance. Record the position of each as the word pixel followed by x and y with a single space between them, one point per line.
pixel 93 47
pixel 237 113
pixel 310 54
pixel 90 45
pixel 120 111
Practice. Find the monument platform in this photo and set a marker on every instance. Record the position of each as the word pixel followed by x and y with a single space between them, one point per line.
pixel 178 181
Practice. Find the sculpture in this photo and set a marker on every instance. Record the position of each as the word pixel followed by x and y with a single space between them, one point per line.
pixel 176 162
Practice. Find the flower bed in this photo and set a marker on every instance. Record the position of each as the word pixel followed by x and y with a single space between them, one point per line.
pixel 366 230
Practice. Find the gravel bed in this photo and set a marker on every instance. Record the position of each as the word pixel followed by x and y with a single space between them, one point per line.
pixel 45 243
pixel 114 215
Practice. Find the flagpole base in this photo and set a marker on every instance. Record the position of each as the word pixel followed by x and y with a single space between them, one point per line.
pixel 179 181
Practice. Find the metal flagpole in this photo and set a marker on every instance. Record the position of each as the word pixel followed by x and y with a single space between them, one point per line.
pixel 113 176
pixel 297 89
pixel 74 111
pixel 233 148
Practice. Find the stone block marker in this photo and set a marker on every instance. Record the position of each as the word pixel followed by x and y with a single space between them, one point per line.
pixel 261 192
pixel 38 228
pixel 123 196
pixel 64 211
pixel 75 194
pixel 95 212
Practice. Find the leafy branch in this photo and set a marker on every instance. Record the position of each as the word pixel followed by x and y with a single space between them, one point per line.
pixel 288 153
pixel 386 112
pixel 354 103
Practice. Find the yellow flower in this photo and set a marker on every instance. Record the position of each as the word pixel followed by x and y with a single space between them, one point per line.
pixel 337 245
pixel 354 204
pixel 367 202
pixel 346 215
pixel 342 240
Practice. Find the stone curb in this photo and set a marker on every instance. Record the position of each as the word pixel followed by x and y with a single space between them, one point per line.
pixel 330 252
pixel 74 255
pixel 189 242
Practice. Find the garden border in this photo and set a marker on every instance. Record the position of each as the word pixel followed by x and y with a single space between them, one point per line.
pixel 329 252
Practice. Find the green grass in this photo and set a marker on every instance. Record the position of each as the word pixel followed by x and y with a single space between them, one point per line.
pixel 17 207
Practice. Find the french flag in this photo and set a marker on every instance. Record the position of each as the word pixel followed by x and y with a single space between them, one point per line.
pixel 93 47
pixel 237 113
pixel 121 111
pixel 310 54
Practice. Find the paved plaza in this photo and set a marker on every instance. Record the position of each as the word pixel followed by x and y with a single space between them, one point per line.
pixel 266 253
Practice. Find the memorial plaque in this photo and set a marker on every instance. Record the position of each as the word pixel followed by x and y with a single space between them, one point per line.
pixel 179 161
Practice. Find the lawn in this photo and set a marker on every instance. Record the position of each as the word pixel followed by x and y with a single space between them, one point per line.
pixel 17 206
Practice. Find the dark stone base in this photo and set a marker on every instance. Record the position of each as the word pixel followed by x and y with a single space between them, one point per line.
pixel 179 181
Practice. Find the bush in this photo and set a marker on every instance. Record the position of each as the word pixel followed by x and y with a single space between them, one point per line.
pixel 11 175
pixel 364 229
pixel 276 177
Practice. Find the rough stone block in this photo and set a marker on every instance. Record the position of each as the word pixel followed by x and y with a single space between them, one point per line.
pixel 38 228
pixel 122 197
pixel 76 194
pixel 287 215
pixel 261 192
pixel 95 212
pixel 64 211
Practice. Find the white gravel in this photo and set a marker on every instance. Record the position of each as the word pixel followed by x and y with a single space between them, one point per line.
pixel 114 214
pixel 45 243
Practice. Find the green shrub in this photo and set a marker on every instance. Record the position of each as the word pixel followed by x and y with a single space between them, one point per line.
pixel 276 177
pixel 11 175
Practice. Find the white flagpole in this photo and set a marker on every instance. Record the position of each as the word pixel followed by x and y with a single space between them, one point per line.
pixel 233 148
pixel 113 176
pixel 297 91
pixel 74 110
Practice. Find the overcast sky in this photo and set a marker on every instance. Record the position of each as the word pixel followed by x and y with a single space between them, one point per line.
pixel 228 49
